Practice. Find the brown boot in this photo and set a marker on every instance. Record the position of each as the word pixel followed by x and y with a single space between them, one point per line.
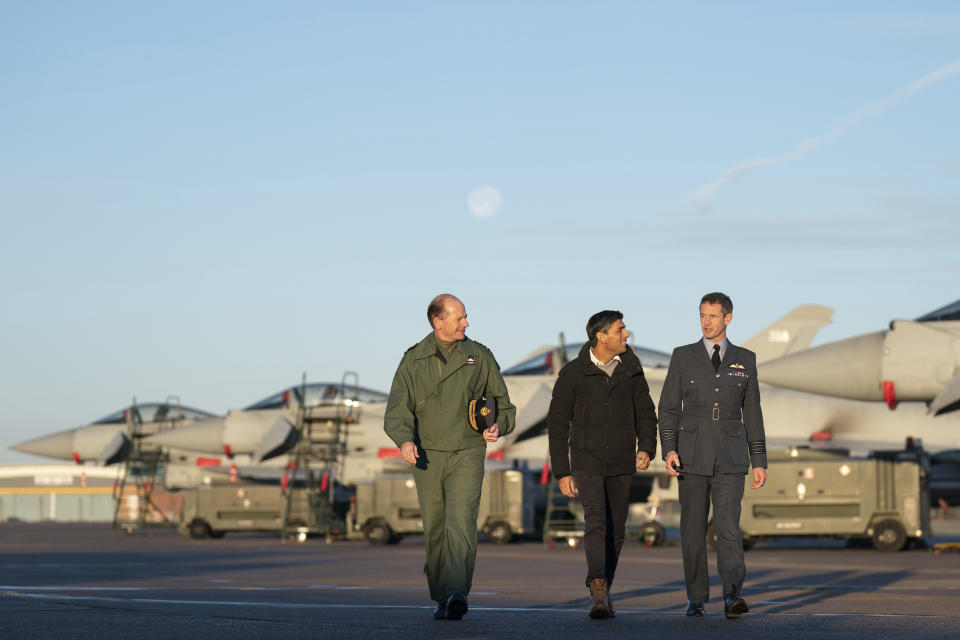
pixel 598 593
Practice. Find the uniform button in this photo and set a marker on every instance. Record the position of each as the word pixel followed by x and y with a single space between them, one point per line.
pixel 717 390
pixel 716 404
pixel 718 375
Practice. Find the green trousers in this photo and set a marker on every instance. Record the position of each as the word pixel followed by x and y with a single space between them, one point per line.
pixel 448 485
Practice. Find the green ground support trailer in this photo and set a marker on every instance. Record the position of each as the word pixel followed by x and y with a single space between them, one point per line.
pixel 883 499
pixel 213 510
pixel 386 509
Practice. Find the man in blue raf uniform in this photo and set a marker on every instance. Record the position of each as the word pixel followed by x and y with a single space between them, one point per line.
pixel 711 431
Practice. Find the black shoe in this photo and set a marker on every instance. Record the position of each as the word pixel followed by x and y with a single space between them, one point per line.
pixel 456 606
pixel 734 606
pixel 695 609
pixel 441 612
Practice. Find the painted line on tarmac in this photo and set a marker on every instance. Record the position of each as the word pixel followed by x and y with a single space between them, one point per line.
pixel 4 587
pixel 671 611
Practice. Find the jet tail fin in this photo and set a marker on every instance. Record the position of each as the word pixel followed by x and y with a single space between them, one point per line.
pixel 793 332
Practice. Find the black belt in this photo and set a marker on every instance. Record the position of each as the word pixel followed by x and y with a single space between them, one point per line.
pixel 715 415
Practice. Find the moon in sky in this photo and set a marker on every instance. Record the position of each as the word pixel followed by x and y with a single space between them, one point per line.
pixel 484 201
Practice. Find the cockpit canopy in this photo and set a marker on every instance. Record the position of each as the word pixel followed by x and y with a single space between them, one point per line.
pixel 949 312
pixel 318 394
pixel 156 412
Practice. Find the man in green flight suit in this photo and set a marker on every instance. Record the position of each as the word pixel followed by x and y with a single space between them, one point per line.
pixel 427 417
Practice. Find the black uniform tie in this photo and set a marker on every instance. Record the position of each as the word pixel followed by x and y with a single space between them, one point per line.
pixel 716 357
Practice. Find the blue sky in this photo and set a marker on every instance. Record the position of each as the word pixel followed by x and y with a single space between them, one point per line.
pixel 208 199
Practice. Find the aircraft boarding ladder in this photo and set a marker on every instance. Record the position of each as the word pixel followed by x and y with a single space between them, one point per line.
pixel 135 507
pixel 318 458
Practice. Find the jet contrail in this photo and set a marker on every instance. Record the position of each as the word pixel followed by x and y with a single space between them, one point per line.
pixel 703 197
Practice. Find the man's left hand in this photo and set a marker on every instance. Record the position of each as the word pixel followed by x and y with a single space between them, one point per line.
pixel 759 477
pixel 491 434
pixel 643 460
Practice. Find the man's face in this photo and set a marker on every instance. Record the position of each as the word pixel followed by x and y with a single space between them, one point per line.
pixel 713 322
pixel 452 323
pixel 614 339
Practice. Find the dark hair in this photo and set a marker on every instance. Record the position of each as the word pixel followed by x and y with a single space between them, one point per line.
pixel 726 304
pixel 435 308
pixel 600 323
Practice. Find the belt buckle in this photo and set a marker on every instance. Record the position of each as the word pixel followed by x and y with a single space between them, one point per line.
pixel 716 414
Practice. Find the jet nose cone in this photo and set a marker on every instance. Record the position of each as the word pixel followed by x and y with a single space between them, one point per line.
pixel 56 445
pixel 202 436
pixel 846 369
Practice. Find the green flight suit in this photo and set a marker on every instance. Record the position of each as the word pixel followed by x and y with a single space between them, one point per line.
pixel 428 406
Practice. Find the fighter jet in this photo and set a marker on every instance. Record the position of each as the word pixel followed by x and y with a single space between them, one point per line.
pixel 266 429
pixel 106 440
pixel 911 361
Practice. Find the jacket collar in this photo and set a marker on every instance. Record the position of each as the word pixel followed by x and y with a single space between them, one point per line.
pixel 427 347
pixel 628 360
pixel 732 353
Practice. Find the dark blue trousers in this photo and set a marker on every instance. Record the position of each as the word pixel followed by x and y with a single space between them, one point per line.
pixel 726 491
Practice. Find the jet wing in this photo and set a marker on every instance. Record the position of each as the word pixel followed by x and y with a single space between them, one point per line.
pixel 116 450
pixel 948 399
pixel 278 440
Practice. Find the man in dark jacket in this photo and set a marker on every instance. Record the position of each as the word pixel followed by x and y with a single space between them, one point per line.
pixel 602 426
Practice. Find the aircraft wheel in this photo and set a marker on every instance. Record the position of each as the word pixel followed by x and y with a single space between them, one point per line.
pixel 378 532
pixel 888 535
pixel 500 532
pixel 652 534
pixel 199 529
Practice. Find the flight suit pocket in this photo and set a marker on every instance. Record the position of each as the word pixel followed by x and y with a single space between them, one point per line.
pixel 737 444
pixel 687 443
pixel 475 383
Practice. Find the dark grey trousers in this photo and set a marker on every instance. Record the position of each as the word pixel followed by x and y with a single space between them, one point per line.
pixel 605 500
pixel 726 489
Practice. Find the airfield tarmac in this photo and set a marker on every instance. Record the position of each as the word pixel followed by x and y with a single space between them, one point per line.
pixel 89 581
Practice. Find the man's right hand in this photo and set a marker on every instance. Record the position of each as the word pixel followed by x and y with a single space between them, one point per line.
pixel 409 453
pixel 673 464
pixel 567 487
